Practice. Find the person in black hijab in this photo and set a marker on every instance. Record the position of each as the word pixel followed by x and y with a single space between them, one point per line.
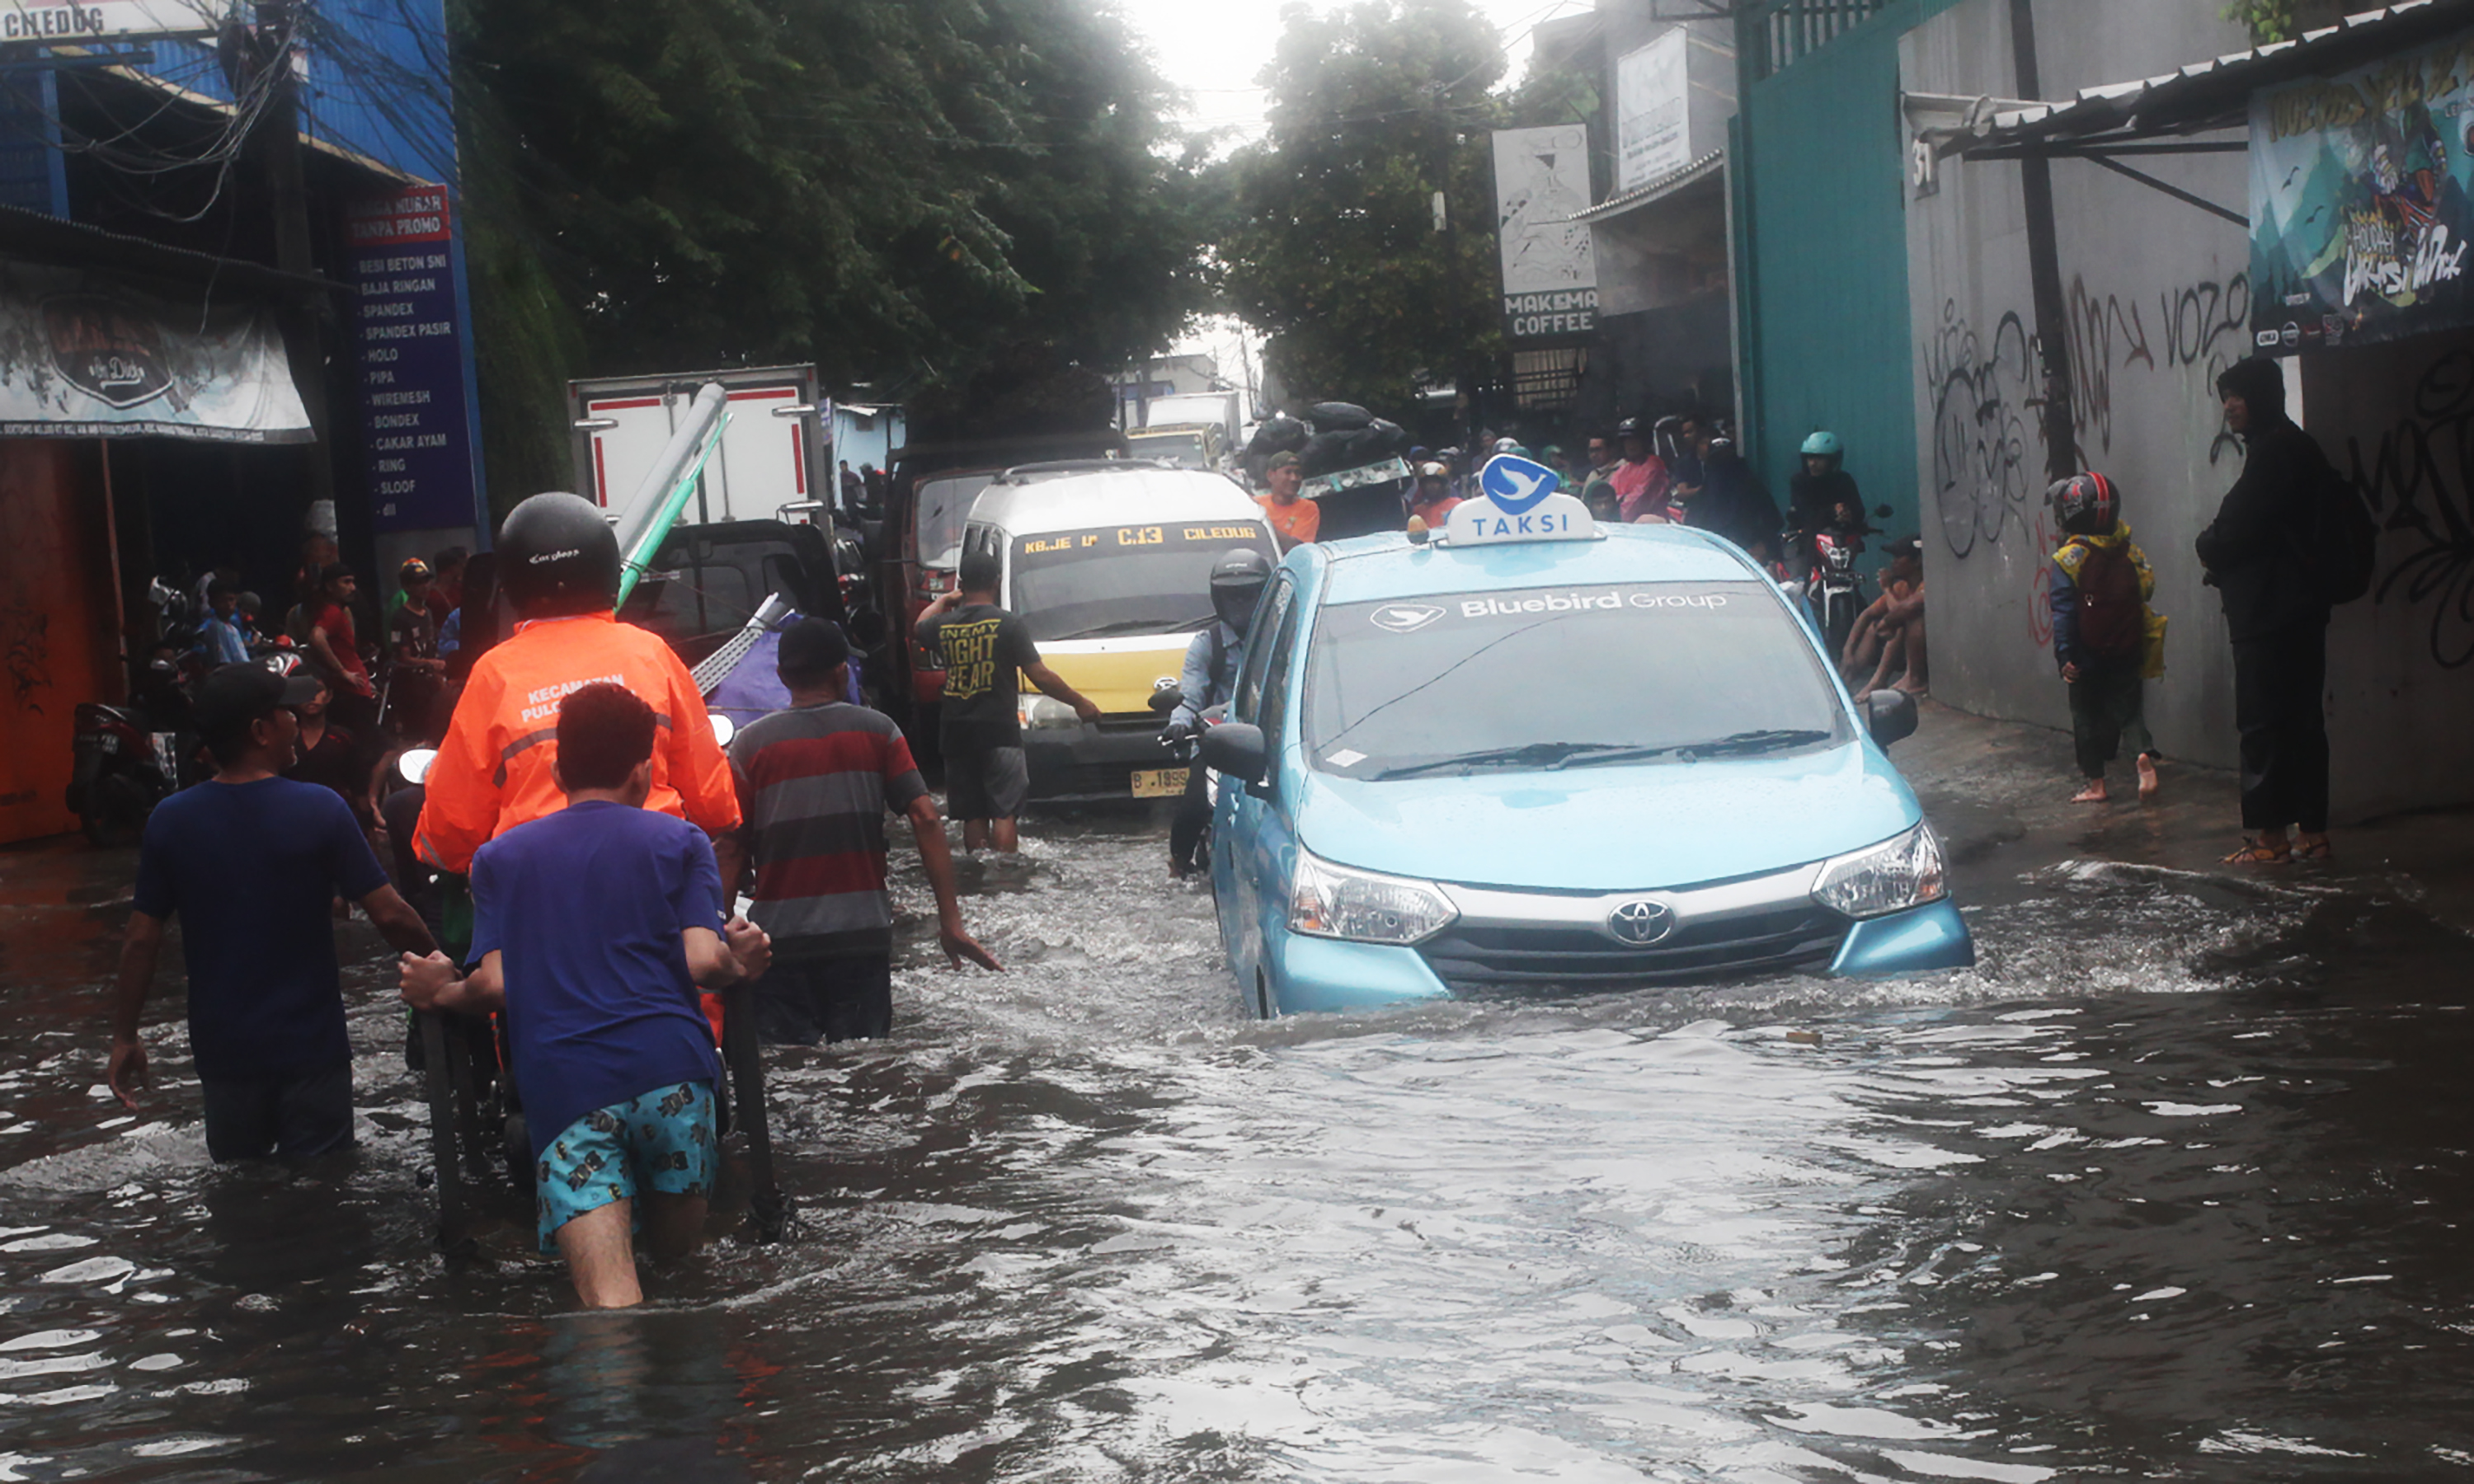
pixel 2278 617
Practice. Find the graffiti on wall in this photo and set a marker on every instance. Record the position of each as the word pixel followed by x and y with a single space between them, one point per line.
pixel 1984 402
pixel 2420 482
pixel 1988 455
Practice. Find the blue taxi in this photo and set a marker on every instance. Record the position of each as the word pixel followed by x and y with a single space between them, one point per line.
pixel 1525 755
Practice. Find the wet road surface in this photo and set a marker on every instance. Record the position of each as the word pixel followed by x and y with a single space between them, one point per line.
pixel 2173 1185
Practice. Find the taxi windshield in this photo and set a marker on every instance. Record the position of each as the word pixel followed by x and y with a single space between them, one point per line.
pixel 1124 580
pixel 1559 678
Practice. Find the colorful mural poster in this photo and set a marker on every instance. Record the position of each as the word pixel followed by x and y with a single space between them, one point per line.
pixel 2358 202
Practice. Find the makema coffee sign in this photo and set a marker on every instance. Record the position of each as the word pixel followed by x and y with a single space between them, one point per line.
pixel 2360 201
pixel 110 20
pixel 84 356
pixel 416 436
pixel 1550 266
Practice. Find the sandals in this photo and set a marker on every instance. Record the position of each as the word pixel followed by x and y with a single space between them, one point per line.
pixel 2314 849
pixel 2254 854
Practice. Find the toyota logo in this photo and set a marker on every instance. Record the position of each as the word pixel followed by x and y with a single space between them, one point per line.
pixel 1641 921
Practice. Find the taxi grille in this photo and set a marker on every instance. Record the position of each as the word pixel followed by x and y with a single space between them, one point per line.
pixel 1545 960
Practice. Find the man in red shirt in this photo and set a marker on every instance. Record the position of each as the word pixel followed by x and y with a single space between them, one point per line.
pixel 1641 481
pixel 338 648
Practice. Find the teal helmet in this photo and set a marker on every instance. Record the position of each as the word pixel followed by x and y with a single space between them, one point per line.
pixel 1824 443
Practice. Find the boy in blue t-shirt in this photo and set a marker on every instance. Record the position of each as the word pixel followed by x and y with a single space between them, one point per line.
pixel 593 928
pixel 253 863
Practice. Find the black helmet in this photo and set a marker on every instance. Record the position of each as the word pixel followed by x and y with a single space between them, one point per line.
pixel 557 546
pixel 1237 582
pixel 1630 428
pixel 2085 504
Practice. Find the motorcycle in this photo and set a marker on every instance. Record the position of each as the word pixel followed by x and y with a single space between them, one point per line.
pixel 1831 587
pixel 1164 702
pixel 130 757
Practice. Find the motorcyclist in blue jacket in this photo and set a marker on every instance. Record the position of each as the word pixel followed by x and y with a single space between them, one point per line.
pixel 1208 680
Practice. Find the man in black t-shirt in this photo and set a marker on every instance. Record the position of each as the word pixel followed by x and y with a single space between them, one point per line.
pixel 986 777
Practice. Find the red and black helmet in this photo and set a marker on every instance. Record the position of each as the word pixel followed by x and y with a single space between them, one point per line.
pixel 2085 504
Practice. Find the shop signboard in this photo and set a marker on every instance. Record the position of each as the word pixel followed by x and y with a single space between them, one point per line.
pixel 1550 268
pixel 2359 208
pixel 84 355
pixel 1653 117
pixel 409 362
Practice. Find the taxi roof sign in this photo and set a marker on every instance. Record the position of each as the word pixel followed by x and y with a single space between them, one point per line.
pixel 1521 500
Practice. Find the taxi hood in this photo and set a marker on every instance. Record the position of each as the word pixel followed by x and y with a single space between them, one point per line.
pixel 1627 828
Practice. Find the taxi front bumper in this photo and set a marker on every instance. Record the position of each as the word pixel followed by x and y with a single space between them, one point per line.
pixel 1308 973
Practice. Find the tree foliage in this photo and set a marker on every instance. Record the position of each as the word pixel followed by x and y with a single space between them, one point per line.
pixel 905 191
pixel 1330 248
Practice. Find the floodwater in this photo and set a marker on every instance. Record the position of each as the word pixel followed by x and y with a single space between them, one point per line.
pixel 2175 1186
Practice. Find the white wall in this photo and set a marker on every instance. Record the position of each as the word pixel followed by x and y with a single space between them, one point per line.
pixel 2159 303
pixel 2158 299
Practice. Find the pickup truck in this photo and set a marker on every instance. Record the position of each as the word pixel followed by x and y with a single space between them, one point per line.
pixel 706 580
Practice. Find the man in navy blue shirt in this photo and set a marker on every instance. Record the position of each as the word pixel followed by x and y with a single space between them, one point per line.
pixel 253 863
pixel 594 928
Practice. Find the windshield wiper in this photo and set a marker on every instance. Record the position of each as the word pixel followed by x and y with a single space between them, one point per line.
pixel 1550 756
pixel 1774 739
pixel 1534 754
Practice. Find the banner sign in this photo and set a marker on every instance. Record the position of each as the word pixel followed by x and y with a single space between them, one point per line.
pixel 408 361
pixel 1550 268
pixel 1653 122
pixel 109 20
pixel 2359 208
pixel 83 355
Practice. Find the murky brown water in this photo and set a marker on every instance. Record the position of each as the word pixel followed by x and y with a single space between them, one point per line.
pixel 2175 1186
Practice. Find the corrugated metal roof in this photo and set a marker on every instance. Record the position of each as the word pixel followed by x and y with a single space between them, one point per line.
pixel 1657 189
pixel 2211 94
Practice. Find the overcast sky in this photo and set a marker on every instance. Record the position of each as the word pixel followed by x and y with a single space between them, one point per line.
pixel 1213 49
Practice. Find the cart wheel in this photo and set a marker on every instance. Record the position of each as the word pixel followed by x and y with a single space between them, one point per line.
pixel 519 1150
pixel 439 1083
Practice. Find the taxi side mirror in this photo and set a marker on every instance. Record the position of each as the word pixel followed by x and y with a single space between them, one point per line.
pixel 1890 714
pixel 1236 750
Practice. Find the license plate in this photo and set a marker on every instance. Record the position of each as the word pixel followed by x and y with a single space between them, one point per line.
pixel 1158 782
pixel 99 741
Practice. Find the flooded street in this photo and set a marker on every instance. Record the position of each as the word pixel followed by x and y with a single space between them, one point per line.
pixel 2173 1185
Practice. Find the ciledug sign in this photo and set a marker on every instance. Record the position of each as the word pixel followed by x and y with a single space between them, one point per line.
pixel 106 20
pixel 2360 219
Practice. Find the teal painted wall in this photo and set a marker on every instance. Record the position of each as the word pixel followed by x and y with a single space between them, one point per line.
pixel 1820 253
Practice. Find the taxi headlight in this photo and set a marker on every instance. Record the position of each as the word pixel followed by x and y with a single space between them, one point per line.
pixel 1891 876
pixel 1334 901
pixel 1038 712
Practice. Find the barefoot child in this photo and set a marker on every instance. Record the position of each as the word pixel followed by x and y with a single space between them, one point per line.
pixel 2105 639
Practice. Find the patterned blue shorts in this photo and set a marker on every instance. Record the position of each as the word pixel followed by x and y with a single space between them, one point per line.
pixel 663 1141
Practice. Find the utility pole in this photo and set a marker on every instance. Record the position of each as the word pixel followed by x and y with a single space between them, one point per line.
pixel 274 148
pixel 2044 264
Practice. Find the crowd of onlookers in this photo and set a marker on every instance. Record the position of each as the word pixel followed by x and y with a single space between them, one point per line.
pixel 385 671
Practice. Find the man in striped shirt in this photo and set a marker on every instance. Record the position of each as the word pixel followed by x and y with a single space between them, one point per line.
pixel 815 785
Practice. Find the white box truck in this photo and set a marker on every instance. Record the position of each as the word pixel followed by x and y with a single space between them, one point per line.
pixel 772 463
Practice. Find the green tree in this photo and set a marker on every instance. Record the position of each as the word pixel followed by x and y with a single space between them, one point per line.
pixel 905 191
pixel 1331 250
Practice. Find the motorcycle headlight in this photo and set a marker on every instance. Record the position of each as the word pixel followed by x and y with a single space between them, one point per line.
pixel 1891 876
pixel 1040 712
pixel 1334 901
